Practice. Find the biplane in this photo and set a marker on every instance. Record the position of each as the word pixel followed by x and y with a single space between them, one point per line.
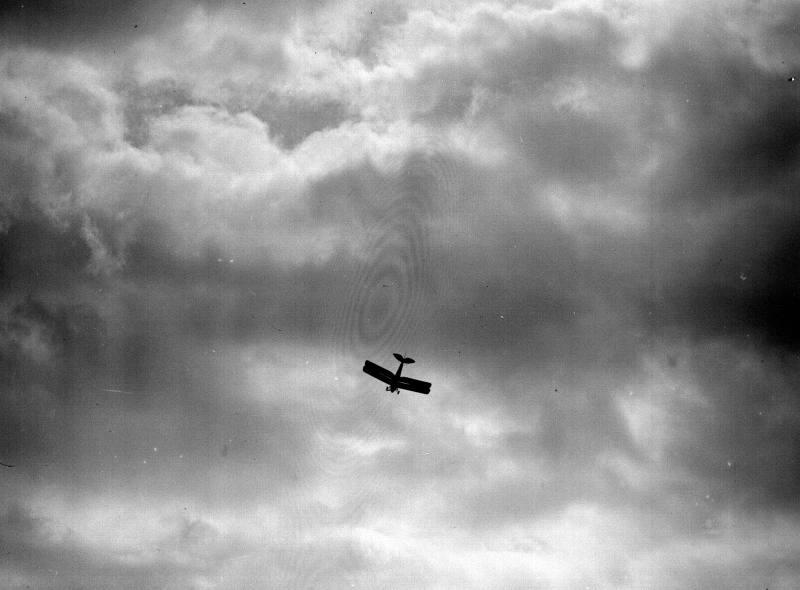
pixel 394 381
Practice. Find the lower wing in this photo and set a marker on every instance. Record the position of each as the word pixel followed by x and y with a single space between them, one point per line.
pixel 378 372
pixel 414 385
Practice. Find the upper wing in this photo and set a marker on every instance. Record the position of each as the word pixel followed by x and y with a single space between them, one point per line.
pixel 378 372
pixel 414 385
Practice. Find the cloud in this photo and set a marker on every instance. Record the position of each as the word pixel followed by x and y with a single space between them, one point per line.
pixel 69 24
pixel 172 551
pixel 579 219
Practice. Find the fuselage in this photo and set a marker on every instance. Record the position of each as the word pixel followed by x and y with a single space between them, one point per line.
pixel 395 379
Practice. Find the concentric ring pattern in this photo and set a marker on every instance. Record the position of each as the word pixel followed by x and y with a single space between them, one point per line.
pixel 386 306
pixel 386 309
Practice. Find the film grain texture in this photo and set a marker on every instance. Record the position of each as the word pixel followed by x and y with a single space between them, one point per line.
pixel 579 218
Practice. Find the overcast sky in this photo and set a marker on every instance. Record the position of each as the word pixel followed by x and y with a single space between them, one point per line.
pixel 580 218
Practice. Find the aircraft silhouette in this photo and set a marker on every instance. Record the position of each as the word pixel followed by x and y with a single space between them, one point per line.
pixel 393 380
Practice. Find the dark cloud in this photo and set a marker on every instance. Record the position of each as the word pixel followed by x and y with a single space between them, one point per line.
pixel 79 352
pixel 744 442
pixel 37 255
pixel 111 25
pixel 77 22
pixel 727 148
pixel 144 103
pixel 744 285
pixel 292 119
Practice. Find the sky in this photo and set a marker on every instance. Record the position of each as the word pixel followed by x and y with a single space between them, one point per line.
pixel 579 217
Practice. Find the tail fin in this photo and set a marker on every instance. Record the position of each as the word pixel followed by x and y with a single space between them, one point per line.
pixel 403 359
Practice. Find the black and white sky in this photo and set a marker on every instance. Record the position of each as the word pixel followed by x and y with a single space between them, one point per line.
pixel 580 218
